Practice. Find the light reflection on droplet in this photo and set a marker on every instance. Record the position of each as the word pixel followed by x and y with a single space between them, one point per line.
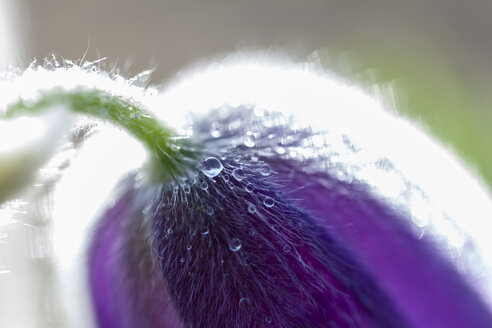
pixel 279 150
pixel 215 131
pixel 268 201
pixel 249 187
pixel 235 244
pixel 265 170
pixel 211 167
pixel 244 302
pixel 205 231
pixel 238 174
pixel 249 141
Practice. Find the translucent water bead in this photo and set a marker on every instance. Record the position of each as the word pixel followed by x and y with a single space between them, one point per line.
pixel 235 244
pixel 211 167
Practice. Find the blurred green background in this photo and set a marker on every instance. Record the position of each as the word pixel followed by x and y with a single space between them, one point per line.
pixel 432 58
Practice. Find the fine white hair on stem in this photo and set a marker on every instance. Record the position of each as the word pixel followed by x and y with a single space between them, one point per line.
pixel 45 230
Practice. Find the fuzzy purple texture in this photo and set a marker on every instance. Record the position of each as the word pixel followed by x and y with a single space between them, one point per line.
pixel 315 251
pixel 291 272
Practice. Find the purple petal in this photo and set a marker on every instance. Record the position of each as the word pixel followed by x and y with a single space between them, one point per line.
pixel 287 272
pixel 126 284
pixel 420 283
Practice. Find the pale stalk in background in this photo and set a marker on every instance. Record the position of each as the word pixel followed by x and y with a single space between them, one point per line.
pixel 25 144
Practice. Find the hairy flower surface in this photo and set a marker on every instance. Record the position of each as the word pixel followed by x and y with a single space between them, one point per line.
pixel 292 201
pixel 269 240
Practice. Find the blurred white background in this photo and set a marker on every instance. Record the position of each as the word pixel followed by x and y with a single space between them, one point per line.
pixel 171 33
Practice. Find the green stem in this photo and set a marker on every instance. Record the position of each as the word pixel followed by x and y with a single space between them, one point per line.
pixel 170 155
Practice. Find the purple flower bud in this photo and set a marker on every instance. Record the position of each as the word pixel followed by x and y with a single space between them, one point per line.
pixel 274 236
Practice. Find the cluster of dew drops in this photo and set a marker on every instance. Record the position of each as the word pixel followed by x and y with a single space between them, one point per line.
pixel 212 167
pixel 264 135
pixel 233 140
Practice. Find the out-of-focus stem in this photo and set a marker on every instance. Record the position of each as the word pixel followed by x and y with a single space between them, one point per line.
pixel 170 155
pixel 25 144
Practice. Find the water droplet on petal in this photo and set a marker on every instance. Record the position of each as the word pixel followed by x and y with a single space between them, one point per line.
pixel 279 150
pixel 244 301
pixel 186 188
pixel 251 208
pixel 235 244
pixel 181 260
pixel 215 130
pixel 204 231
pixel 203 185
pixel 265 170
pixel 209 210
pixel 211 167
pixel 268 201
pixel 249 141
pixel 238 174
pixel 286 248
pixel 215 133
pixel 249 187
pixel 189 247
pixel 170 231
pixel 268 319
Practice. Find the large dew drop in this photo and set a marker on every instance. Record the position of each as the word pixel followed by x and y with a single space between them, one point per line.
pixel 211 167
